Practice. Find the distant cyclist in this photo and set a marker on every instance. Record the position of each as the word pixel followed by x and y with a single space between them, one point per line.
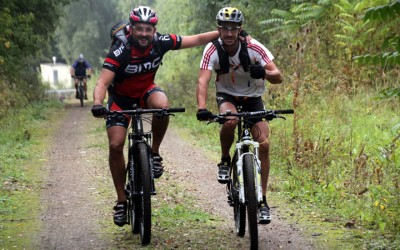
pixel 80 70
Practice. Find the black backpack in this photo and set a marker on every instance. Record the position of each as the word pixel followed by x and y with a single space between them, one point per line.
pixel 224 58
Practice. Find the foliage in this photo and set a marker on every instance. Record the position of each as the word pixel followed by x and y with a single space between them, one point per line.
pixel 26 26
pixel 389 15
pixel 85 29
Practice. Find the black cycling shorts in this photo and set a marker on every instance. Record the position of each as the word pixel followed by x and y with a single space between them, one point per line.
pixel 246 103
pixel 119 102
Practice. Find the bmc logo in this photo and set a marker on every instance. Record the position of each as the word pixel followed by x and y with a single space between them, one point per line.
pixel 118 51
pixel 164 38
pixel 143 67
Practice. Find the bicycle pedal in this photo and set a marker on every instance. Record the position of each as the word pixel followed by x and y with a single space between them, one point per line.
pixel 223 179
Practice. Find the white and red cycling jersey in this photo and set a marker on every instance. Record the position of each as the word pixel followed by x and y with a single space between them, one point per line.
pixel 135 75
pixel 237 82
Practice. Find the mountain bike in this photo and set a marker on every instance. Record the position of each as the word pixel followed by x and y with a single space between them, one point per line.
pixel 140 179
pixel 81 88
pixel 244 186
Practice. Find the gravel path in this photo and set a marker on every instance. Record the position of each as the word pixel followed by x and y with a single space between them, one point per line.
pixel 70 211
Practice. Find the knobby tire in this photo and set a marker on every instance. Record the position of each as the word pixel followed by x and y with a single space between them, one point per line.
pixel 239 210
pixel 134 200
pixel 145 194
pixel 251 198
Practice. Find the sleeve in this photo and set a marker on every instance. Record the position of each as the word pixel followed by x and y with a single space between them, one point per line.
pixel 87 65
pixel 115 57
pixel 74 64
pixel 169 41
pixel 259 53
pixel 209 61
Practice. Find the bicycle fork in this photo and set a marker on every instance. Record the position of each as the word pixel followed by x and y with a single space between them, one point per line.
pixel 256 168
pixel 133 170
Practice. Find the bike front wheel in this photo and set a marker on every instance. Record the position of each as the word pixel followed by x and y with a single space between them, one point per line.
pixel 133 199
pixel 81 93
pixel 251 199
pixel 239 209
pixel 143 160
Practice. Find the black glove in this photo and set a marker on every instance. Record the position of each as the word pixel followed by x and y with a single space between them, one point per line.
pixel 203 115
pixel 257 71
pixel 99 111
pixel 243 33
pixel 88 76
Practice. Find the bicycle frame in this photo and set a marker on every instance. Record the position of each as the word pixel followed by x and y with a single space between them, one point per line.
pixel 243 147
pixel 245 187
pixel 140 184
pixel 137 135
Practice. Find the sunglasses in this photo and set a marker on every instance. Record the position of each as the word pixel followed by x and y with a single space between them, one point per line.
pixel 231 29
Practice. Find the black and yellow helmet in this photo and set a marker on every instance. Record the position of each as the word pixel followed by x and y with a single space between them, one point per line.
pixel 229 14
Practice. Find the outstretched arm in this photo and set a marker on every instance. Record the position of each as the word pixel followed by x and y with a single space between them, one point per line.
pixel 199 39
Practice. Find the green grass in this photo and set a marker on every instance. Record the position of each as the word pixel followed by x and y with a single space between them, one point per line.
pixel 22 143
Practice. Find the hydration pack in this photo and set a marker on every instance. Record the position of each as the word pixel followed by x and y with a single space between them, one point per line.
pixel 224 58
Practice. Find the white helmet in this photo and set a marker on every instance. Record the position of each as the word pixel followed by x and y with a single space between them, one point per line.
pixel 229 14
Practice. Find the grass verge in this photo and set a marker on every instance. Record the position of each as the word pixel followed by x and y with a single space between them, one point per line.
pixel 23 140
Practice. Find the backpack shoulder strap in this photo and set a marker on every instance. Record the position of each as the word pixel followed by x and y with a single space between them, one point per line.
pixel 223 58
pixel 244 56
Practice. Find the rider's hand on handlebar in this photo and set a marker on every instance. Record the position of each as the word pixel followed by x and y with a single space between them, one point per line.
pixel 203 115
pixel 88 76
pixel 257 71
pixel 72 76
pixel 99 111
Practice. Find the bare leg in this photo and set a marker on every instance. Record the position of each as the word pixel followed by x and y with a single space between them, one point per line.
pixel 85 87
pixel 159 126
pixel 227 133
pixel 116 138
pixel 260 133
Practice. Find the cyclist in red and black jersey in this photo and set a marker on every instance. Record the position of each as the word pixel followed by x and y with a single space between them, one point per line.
pixel 128 74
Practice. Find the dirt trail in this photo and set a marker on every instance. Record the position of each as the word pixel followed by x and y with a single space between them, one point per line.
pixel 69 217
pixel 70 211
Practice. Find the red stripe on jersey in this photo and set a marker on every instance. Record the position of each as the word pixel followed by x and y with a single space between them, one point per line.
pixel 207 56
pixel 260 51
pixel 113 62
pixel 173 36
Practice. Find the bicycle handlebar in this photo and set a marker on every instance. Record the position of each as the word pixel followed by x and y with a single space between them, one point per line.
pixel 267 114
pixel 138 111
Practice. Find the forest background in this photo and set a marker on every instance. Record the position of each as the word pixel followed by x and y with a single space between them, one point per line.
pixel 338 157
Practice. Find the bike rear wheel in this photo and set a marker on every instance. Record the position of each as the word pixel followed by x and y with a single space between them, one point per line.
pixel 251 199
pixel 143 160
pixel 239 209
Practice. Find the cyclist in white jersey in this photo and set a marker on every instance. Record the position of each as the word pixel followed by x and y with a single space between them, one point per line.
pixel 240 81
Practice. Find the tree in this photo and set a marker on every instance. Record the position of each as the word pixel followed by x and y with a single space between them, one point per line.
pixel 85 29
pixel 389 16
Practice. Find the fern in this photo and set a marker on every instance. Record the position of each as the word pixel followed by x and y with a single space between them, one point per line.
pixel 384 12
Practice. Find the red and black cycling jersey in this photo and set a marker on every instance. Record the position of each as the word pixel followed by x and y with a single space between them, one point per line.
pixel 135 72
